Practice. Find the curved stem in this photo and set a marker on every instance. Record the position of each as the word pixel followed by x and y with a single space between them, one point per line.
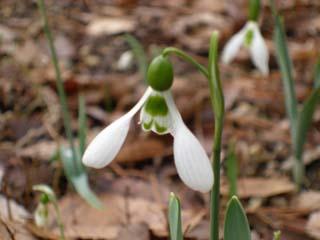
pixel 186 57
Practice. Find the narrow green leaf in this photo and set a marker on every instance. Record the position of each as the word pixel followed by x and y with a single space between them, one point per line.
pixel 139 53
pixel 78 177
pixel 71 161
pixel 305 120
pixel 317 74
pixel 82 121
pixel 236 224
pixel 285 64
pixel 232 169
pixel 174 216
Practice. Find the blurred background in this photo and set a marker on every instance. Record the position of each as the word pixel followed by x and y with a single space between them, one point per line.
pixel 97 61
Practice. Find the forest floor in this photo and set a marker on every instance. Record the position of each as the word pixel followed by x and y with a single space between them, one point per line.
pixel 89 37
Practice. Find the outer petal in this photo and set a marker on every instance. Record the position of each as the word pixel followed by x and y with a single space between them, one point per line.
pixel 106 145
pixel 259 52
pixel 192 162
pixel 233 45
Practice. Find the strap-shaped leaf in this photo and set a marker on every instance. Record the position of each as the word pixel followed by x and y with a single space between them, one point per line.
pixel 236 224
pixel 78 177
pixel 317 74
pixel 305 120
pixel 71 159
pixel 174 216
pixel 285 64
pixel 82 123
pixel 139 53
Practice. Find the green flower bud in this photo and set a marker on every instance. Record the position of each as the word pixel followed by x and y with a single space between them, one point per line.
pixel 160 74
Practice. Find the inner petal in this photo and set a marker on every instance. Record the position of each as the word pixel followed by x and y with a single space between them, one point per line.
pixel 155 115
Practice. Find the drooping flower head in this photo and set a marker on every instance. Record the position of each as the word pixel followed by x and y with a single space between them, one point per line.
pixel 160 115
pixel 249 37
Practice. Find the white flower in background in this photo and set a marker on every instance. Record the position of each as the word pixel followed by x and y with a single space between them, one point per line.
pixel 250 37
pixel 160 115
pixel 41 215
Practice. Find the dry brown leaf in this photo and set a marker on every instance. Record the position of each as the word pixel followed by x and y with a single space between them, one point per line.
pixel 108 223
pixel 313 225
pixel 260 187
pixel 43 150
pixel 9 209
pixel 142 149
pixel 10 230
pixel 110 26
pixel 308 200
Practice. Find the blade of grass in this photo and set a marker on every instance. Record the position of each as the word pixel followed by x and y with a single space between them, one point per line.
pixel 290 95
pixel 317 74
pixel 82 121
pixel 59 83
pixel 305 119
pixel 72 161
pixel 139 54
pixel 286 71
pixel 174 216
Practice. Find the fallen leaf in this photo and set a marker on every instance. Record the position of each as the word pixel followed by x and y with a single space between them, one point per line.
pixel 308 200
pixel 9 209
pixel 313 225
pixel 110 26
pixel 260 187
pixel 110 222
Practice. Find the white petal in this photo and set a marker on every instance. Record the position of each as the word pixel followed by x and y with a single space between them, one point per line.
pixel 233 45
pixel 259 52
pixel 192 162
pixel 106 145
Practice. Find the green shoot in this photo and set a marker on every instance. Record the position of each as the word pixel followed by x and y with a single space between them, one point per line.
pixel 236 224
pixel 174 216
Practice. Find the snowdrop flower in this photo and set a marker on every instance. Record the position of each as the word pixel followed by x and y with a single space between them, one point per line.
pixel 250 37
pixel 160 115
pixel 41 215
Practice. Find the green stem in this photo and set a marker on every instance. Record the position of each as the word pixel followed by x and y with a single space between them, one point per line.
pixel 217 100
pixel 186 57
pixel 59 220
pixel 59 83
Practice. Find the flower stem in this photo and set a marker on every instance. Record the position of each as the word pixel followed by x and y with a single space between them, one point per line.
pixel 59 84
pixel 217 100
pixel 59 220
pixel 186 57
